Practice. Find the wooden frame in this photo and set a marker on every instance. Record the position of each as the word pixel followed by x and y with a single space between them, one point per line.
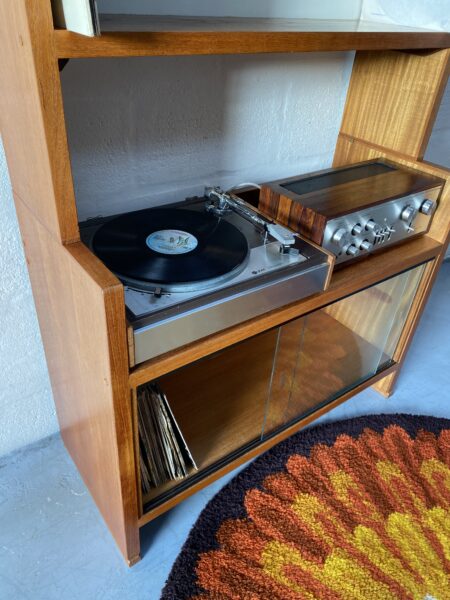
pixel 80 303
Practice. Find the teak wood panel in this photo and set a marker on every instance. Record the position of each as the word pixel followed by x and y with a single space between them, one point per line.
pixel 391 106
pixel 81 316
pixel 31 116
pixel 393 99
pixel 346 281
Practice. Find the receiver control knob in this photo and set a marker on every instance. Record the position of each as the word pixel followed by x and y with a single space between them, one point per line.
pixel 408 213
pixel 365 245
pixel 352 250
pixel 372 226
pixel 427 207
pixel 340 237
pixel 357 229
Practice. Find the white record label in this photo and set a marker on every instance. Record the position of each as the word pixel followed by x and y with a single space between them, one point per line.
pixel 172 241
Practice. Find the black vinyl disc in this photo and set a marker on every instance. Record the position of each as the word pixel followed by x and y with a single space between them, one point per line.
pixel 170 246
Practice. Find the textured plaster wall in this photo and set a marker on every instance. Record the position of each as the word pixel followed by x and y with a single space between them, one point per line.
pixel 438 150
pixel 143 132
pixel 27 412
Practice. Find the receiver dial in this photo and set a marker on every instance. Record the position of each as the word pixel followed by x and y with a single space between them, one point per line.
pixel 351 250
pixel 372 226
pixel 340 237
pixel 365 245
pixel 408 213
pixel 427 207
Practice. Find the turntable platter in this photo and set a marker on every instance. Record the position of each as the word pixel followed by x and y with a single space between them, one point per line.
pixel 173 248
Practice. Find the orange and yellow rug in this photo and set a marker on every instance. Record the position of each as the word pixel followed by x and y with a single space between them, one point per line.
pixel 356 510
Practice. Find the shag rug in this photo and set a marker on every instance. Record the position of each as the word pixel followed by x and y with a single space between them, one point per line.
pixel 357 509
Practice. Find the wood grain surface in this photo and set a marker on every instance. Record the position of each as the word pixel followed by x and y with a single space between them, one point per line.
pixel 81 316
pixel 391 106
pixel 140 35
pixel 393 99
pixel 31 116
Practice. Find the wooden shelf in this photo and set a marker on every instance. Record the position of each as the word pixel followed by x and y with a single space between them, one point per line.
pixel 144 35
pixel 344 282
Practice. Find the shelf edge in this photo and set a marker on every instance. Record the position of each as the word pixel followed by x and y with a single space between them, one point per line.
pixel 177 43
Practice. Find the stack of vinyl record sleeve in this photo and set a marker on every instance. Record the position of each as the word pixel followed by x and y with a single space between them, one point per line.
pixel 164 455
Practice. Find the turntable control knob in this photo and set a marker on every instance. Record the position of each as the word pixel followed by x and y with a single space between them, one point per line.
pixel 365 245
pixel 408 213
pixel 371 225
pixel 340 237
pixel 427 207
pixel 357 229
pixel 352 250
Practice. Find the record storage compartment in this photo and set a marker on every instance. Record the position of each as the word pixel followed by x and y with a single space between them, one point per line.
pixel 232 401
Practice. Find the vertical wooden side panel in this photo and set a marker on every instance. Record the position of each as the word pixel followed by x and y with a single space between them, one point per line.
pixel 392 102
pixel 393 99
pixel 31 116
pixel 81 315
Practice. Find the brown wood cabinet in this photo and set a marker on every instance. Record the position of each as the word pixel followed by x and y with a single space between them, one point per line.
pixel 393 98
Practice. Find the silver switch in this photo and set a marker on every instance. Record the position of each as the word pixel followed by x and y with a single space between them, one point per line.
pixel 340 237
pixel 427 207
pixel 372 226
pixel 365 245
pixel 408 213
pixel 352 250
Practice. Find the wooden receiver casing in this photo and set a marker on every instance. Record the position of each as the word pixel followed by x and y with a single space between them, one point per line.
pixel 355 209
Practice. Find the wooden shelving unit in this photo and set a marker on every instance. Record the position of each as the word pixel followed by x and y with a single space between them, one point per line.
pixel 396 86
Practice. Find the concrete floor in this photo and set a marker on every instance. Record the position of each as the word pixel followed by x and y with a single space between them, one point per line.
pixel 55 546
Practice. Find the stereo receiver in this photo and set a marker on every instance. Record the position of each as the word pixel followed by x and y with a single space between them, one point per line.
pixel 354 210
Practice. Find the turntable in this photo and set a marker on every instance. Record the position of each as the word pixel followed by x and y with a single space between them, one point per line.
pixel 194 268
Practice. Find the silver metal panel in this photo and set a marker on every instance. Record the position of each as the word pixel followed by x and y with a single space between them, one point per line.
pixel 262 260
pixel 176 331
pixel 387 216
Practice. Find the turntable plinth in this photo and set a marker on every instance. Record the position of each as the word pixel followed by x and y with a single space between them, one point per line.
pixel 392 102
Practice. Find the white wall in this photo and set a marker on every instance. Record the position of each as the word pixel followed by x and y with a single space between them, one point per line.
pixel 438 150
pixel 429 14
pixel 306 9
pixel 153 130
pixel 27 411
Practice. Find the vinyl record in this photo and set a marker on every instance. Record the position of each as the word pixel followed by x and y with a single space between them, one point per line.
pixel 171 247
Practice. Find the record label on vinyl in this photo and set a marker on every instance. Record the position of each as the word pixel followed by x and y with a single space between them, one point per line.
pixel 171 241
